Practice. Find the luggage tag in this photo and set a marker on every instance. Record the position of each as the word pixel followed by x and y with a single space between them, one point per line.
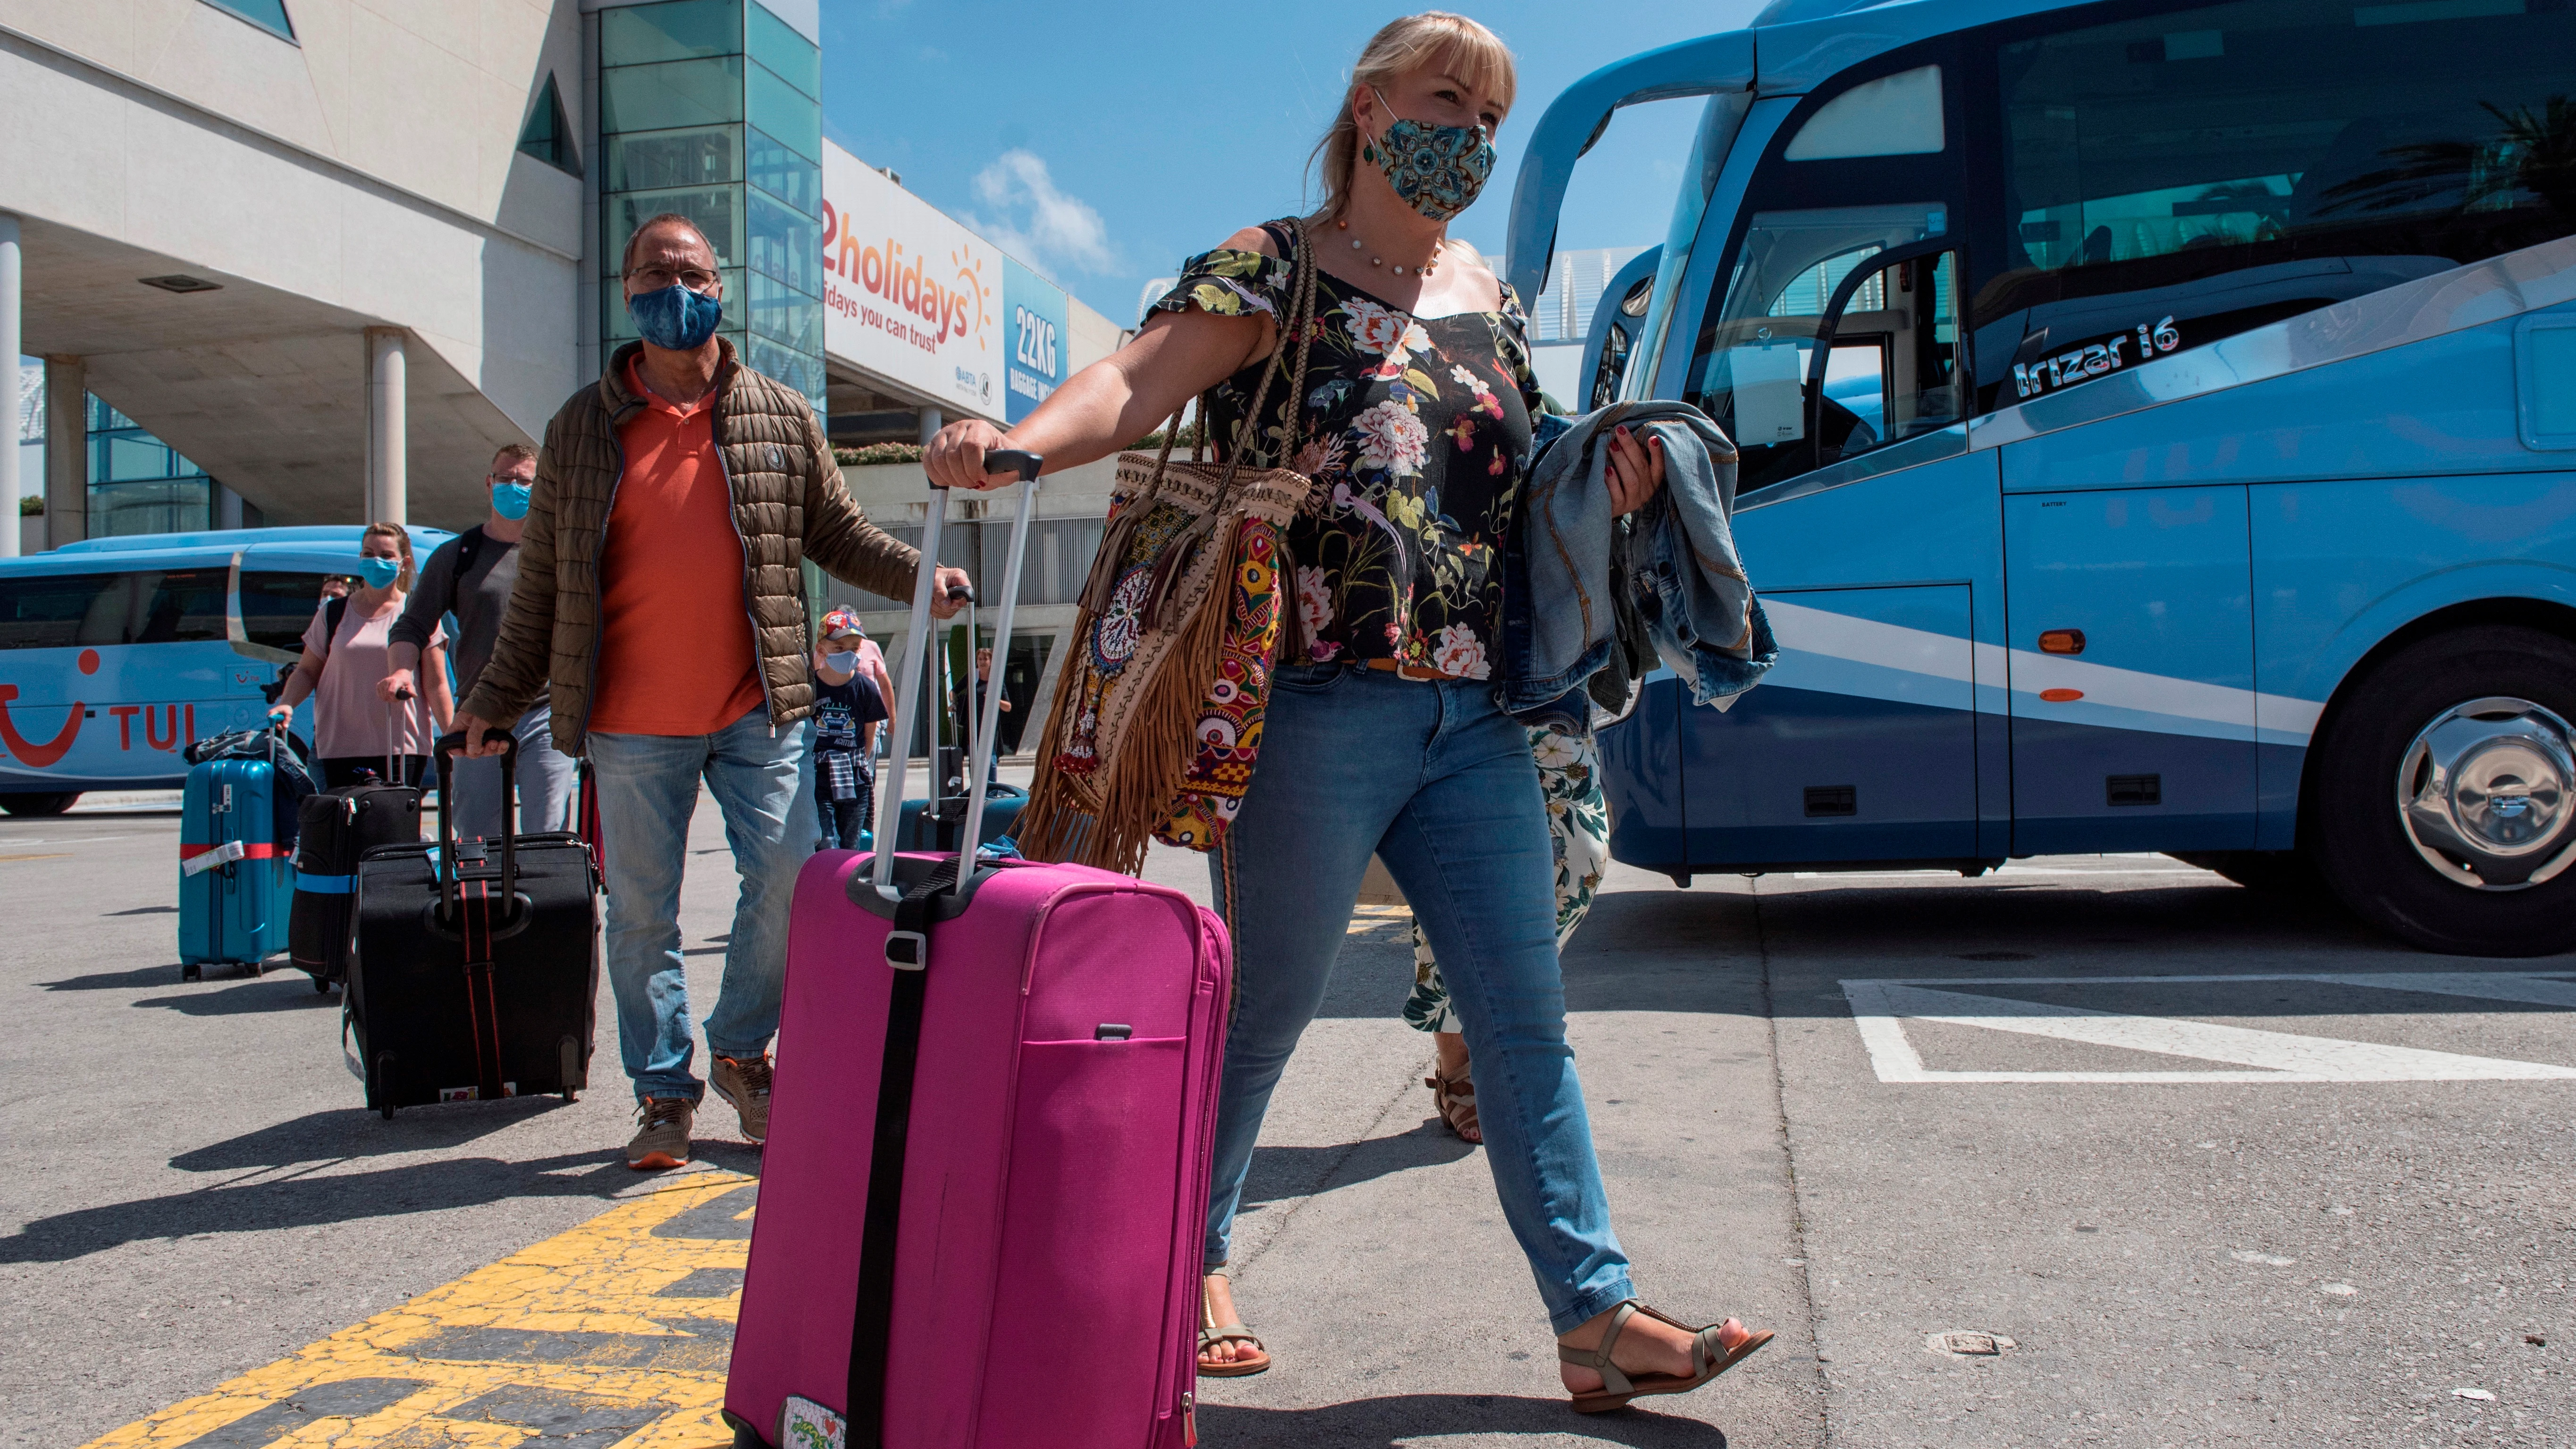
pixel 804 1424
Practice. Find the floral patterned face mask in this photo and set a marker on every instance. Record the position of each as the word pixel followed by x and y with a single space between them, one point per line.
pixel 1436 170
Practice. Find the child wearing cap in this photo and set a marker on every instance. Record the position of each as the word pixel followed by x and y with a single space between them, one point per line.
pixel 848 703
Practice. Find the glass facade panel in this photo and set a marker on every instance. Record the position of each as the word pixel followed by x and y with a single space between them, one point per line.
pixel 794 119
pixel 678 30
pixel 173 506
pixel 268 15
pixel 785 315
pixel 139 484
pixel 715 209
pixel 786 245
pixel 618 327
pixel 653 160
pixel 799 370
pixel 661 97
pixel 797 60
pixel 548 134
pixel 784 174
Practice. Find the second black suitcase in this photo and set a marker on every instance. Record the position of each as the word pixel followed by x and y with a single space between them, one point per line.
pixel 333 829
pixel 476 969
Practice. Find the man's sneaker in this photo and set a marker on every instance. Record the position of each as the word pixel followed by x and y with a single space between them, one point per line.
pixel 744 1081
pixel 663 1140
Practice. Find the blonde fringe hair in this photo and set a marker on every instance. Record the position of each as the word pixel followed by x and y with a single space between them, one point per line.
pixel 1434 39
pixel 402 544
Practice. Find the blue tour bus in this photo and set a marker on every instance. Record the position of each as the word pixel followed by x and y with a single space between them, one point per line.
pixel 2158 433
pixel 115 653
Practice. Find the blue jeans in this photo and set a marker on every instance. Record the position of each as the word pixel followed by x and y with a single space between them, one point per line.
pixel 1436 781
pixel 648 788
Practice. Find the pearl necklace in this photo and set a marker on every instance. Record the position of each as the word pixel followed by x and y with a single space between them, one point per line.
pixel 1423 270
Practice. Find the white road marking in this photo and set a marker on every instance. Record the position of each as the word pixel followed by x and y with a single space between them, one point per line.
pixel 2275 1056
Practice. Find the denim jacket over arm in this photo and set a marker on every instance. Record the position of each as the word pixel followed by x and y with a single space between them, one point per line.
pixel 1686 580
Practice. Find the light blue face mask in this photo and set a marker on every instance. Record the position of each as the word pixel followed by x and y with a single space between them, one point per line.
pixel 510 500
pixel 843 663
pixel 675 319
pixel 376 572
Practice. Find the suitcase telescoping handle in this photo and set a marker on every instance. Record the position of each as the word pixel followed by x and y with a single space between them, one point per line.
pixel 446 750
pixel 916 656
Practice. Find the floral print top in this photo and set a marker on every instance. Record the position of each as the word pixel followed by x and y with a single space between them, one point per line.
pixel 1416 432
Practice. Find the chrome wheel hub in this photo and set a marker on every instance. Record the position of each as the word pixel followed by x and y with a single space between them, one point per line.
pixel 2487 794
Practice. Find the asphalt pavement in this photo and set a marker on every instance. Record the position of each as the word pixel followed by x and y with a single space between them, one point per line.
pixel 2092 1151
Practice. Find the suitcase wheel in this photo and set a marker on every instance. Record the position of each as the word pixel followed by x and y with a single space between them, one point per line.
pixel 321 985
pixel 191 971
pixel 382 1084
pixel 255 968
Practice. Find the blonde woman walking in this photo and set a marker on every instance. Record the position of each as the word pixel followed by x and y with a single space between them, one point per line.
pixel 1382 735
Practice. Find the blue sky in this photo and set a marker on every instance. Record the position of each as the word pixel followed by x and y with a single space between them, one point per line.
pixel 1103 142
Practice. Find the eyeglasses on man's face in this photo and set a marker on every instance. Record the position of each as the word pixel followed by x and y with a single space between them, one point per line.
pixel 654 279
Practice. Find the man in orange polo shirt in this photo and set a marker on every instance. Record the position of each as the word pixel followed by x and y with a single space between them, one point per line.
pixel 661 604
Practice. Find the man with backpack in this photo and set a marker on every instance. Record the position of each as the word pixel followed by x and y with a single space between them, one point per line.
pixel 470 576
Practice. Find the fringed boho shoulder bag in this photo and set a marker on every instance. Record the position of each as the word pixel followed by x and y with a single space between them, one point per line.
pixel 1156 723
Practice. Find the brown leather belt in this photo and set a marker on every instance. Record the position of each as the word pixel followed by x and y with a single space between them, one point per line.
pixel 1402 670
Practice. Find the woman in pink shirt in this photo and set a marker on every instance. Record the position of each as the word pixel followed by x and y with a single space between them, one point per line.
pixel 353 729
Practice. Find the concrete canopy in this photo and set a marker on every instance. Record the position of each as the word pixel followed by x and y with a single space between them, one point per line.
pixel 263 388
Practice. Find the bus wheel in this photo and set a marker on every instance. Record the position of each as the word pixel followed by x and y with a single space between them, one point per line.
pixel 2446 805
pixel 37 802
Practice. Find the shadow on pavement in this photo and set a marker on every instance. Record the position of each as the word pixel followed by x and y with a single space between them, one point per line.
pixel 1284 1172
pixel 141 911
pixel 286 989
pixel 1402 1419
pixel 348 1132
pixel 134 980
pixel 311 1201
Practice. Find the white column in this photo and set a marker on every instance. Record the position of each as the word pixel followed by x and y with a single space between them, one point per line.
pixel 12 273
pixel 66 451
pixel 387 433
pixel 228 510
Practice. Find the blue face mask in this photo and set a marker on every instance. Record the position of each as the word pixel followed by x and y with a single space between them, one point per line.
pixel 510 500
pixel 675 319
pixel 378 572
pixel 843 663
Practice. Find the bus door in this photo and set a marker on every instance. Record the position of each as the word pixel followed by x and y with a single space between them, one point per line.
pixel 1829 348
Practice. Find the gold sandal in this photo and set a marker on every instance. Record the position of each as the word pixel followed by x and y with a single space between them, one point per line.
pixel 1709 1357
pixel 1455 1097
pixel 1212 1333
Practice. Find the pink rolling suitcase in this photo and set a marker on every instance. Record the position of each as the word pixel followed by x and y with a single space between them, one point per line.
pixel 991 1126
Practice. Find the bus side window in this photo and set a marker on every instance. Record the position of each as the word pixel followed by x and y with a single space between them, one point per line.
pixel 276 608
pixel 1756 353
pixel 182 606
pixel 2169 180
pixel 1892 360
pixel 59 611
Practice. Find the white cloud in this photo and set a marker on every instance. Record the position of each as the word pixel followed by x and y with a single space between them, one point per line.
pixel 1035 220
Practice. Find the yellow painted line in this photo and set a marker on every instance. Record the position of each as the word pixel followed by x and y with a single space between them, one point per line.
pixel 1371 918
pixel 617 1332
pixel 57 855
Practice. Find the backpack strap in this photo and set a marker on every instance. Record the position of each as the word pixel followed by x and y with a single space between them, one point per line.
pixel 468 543
pixel 333 611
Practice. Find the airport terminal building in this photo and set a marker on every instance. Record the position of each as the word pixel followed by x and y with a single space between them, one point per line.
pixel 312 261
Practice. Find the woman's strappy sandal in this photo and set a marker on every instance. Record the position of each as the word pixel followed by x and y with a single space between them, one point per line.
pixel 1455 1097
pixel 1212 1333
pixel 1709 1357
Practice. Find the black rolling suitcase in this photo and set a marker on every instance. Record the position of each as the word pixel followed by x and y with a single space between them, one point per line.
pixel 476 969
pixel 334 829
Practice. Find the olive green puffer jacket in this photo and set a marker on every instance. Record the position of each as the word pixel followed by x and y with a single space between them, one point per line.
pixel 789 504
